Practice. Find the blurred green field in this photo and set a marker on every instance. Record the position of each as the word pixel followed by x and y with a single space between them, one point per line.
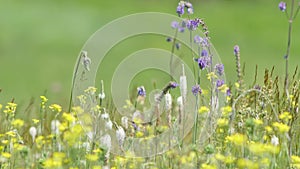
pixel 40 40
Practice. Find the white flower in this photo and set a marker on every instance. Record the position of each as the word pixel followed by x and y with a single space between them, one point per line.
pixel 101 95
pixel 120 134
pixel 124 121
pixel 183 84
pixel 105 116
pixel 168 100
pixel 33 132
pixel 55 126
pixel 106 141
pixel 179 101
pixel 109 125
pixel 274 140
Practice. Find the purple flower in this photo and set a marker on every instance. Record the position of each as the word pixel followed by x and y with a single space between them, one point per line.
pixel 282 6
pixel 219 68
pixel 174 24
pixel 177 45
pixel 196 90
pixel 180 9
pixel 198 39
pixel 173 85
pixel 190 10
pixel 141 91
pixel 219 83
pixel 203 62
pixel 204 53
pixel 193 24
pixel 236 50
pixel 228 92
pixel 180 29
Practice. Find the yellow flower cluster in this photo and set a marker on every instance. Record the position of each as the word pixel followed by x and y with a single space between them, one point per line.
pixel 237 139
pixel 55 108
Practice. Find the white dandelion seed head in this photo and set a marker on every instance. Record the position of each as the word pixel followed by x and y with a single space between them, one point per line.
pixel 33 132
pixel 275 140
pixel 55 126
pixel 108 125
pixel 168 100
pixel 120 134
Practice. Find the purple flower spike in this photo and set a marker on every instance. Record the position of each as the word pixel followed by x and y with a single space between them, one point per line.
pixel 219 83
pixel 174 24
pixel 282 6
pixel 196 90
pixel 180 9
pixel 180 29
pixel 236 50
pixel 141 91
pixel 220 69
pixel 173 85
pixel 193 24
pixel 204 53
pixel 198 39
pixel 228 92
pixel 203 62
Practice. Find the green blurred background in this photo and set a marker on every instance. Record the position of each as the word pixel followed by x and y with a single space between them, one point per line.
pixel 40 40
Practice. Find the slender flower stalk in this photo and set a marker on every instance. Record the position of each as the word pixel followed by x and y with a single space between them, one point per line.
pixel 291 17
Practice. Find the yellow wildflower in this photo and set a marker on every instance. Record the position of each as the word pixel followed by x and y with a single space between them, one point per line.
pixel 245 163
pixel 11 133
pixel 139 134
pixel 285 116
pixel 295 159
pixel 229 159
pixel 35 121
pixel 237 85
pixel 203 109
pixel 226 110
pixel 222 122
pixel 43 99
pixel 268 129
pixel 258 122
pixel 223 88
pixel 18 123
pixel 211 76
pixel 69 117
pixel 5 142
pixel 97 150
pixel 207 166
pixel 282 128
pixel 0 106
pixel 97 167
pixel 90 90
pixel 220 157
pixel 55 107
pixel 237 139
pixel 77 110
pixel 82 99
pixel 6 155
pixel 92 157
pixel 10 108
pixel 40 141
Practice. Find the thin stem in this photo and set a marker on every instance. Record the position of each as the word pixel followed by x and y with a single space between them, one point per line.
pixel 288 48
pixel 172 54
pixel 73 82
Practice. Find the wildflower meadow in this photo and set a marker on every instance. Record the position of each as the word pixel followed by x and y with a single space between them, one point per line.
pixel 190 116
